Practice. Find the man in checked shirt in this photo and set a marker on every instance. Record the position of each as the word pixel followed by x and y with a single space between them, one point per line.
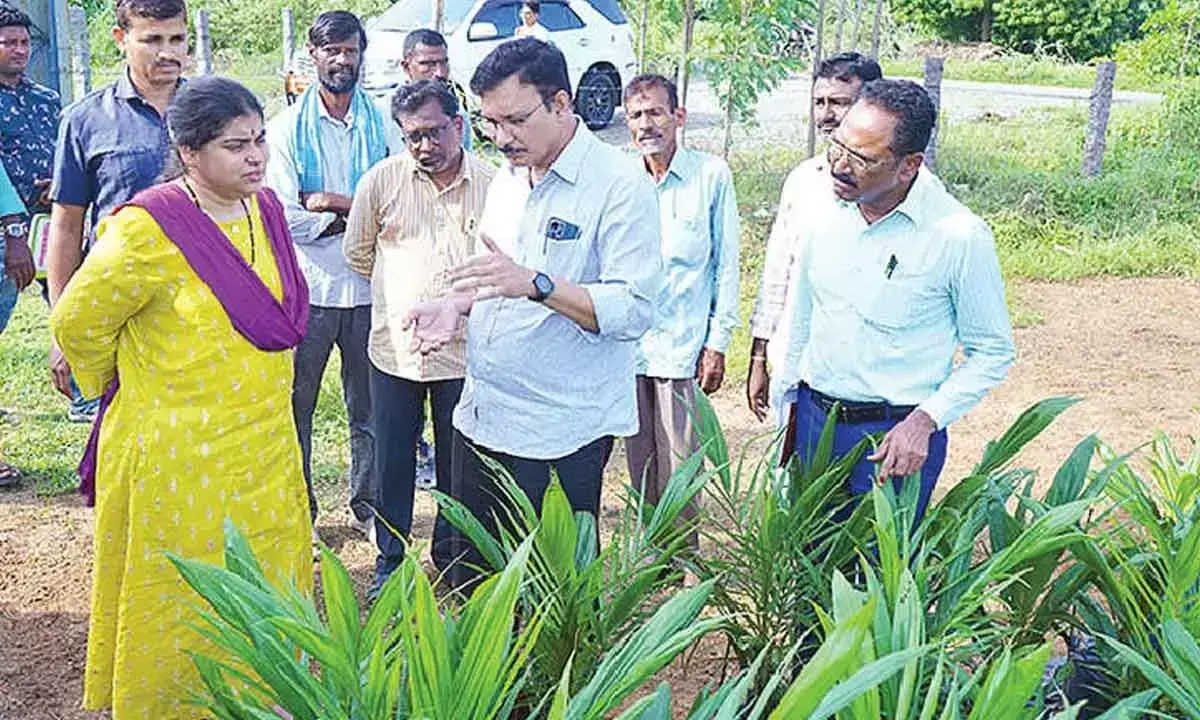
pixel 413 218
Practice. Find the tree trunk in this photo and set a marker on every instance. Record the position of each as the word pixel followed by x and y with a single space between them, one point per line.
pixel 854 33
pixel 1100 105
pixel 728 124
pixel 876 30
pixel 818 50
pixel 934 66
pixel 642 36
pixel 685 61
pixel 985 24
pixel 841 25
pixel 439 14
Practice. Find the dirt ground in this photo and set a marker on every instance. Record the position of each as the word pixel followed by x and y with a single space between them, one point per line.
pixel 1130 348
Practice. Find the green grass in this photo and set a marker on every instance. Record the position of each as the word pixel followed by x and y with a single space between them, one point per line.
pixel 1018 69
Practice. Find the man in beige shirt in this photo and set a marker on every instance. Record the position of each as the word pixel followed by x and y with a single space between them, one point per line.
pixel 413 218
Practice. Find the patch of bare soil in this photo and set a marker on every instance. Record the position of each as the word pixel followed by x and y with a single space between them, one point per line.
pixel 1129 348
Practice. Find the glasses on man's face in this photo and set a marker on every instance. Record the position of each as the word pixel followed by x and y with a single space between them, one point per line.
pixel 837 152
pixel 491 126
pixel 15 43
pixel 433 135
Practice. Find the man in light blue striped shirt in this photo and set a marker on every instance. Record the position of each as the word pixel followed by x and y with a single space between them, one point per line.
pixel 894 275
pixel 696 309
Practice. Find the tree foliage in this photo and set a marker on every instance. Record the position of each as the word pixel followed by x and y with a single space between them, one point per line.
pixel 1170 43
pixel 1079 29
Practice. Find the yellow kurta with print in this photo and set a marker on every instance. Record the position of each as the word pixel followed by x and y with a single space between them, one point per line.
pixel 200 430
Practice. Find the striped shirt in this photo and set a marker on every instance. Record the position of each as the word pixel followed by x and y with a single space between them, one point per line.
pixel 808 180
pixel 406 235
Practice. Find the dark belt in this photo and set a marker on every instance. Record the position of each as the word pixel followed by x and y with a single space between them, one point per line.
pixel 853 411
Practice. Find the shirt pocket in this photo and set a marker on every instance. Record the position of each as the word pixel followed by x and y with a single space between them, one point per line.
pixel 903 301
pixel 129 168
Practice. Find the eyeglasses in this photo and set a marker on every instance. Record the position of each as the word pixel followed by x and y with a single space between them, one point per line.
pixel 433 135
pixel 837 152
pixel 510 123
pixel 14 43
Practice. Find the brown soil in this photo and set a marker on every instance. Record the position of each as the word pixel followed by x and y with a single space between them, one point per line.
pixel 1130 348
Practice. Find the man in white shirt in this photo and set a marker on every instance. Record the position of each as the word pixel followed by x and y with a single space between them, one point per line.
pixel 531 11
pixel 556 307
pixel 320 147
pixel 837 81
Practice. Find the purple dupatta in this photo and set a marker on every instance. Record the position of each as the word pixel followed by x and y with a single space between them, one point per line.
pixel 268 324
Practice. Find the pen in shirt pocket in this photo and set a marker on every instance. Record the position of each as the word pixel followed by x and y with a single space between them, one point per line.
pixel 891 267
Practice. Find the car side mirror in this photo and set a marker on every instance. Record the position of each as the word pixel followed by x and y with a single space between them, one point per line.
pixel 482 31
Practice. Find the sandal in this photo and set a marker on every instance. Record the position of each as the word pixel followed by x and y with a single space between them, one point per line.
pixel 10 476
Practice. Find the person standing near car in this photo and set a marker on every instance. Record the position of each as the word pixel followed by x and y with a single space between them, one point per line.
pixel 111 145
pixel 415 216
pixel 321 147
pixel 556 305
pixel 697 305
pixel 531 11
pixel 893 277
pixel 426 58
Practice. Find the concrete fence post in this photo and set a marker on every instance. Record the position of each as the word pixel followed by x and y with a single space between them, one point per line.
pixel 934 67
pixel 289 38
pixel 1097 127
pixel 81 53
pixel 204 56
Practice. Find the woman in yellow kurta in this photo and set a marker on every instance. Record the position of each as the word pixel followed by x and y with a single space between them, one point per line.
pixel 200 428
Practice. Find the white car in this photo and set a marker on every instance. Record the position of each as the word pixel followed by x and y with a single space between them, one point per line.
pixel 593 35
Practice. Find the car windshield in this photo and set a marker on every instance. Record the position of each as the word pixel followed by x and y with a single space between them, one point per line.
pixel 412 14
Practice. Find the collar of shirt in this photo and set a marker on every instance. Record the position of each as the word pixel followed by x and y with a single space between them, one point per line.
pixel 124 88
pixel 466 173
pixel 684 166
pixel 913 206
pixel 569 162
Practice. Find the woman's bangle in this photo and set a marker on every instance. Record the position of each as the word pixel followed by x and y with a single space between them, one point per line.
pixel 758 357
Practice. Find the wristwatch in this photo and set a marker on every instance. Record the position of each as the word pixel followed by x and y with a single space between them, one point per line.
pixel 542 287
pixel 15 229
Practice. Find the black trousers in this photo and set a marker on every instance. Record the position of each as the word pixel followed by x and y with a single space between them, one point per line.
pixel 581 474
pixel 399 414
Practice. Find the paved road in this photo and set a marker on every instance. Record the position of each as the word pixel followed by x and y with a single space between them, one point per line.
pixel 783 114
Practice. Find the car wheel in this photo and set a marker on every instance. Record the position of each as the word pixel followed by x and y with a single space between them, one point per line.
pixel 597 99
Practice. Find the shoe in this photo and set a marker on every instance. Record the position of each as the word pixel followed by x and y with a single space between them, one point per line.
pixel 383 571
pixel 366 528
pixel 10 476
pixel 83 412
pixel 426 472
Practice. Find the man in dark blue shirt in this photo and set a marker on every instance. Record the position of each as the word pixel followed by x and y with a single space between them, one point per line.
pixel 113 143
pixel 28 124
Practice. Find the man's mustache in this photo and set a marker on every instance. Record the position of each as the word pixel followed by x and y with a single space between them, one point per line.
pixel 168 63
pixel 510 149
pixel 649 136
pixel 844 179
